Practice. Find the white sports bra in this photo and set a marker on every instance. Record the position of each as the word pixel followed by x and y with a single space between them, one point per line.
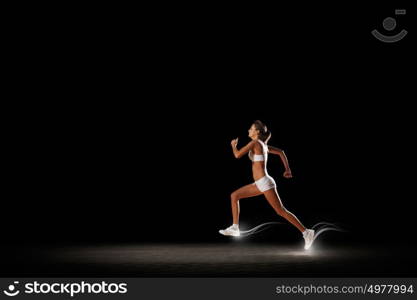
pixel 259 157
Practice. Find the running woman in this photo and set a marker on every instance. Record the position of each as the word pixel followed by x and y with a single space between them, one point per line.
pixel 257 150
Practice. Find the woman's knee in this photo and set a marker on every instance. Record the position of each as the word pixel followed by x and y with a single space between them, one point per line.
pixel 234 196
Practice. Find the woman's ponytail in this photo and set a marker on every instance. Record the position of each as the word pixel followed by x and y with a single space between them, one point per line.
pixel 264 133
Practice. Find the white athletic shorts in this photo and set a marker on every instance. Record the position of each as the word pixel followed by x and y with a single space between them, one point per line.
pixel 265 183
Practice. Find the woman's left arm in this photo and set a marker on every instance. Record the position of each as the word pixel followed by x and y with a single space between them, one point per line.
pixel 239 153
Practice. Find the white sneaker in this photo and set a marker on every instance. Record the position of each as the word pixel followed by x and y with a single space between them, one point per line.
pixel 230 231
pixel 308 235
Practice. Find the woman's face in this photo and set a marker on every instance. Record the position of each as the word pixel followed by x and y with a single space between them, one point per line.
pixel 253 132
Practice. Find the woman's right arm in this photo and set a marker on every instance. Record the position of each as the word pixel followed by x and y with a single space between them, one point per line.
pixel 284 160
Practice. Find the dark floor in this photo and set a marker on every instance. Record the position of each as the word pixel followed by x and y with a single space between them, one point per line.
pixel 207 260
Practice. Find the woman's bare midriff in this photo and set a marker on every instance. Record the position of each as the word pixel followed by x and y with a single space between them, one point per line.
pixel 258 170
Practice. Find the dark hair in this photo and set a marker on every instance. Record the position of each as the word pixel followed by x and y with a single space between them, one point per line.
pixel 264 133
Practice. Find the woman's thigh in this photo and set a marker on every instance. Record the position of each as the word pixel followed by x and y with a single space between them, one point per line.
pixel 249 190
pixel 272 197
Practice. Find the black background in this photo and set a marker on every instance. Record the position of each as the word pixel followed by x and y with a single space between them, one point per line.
pixel 127 134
